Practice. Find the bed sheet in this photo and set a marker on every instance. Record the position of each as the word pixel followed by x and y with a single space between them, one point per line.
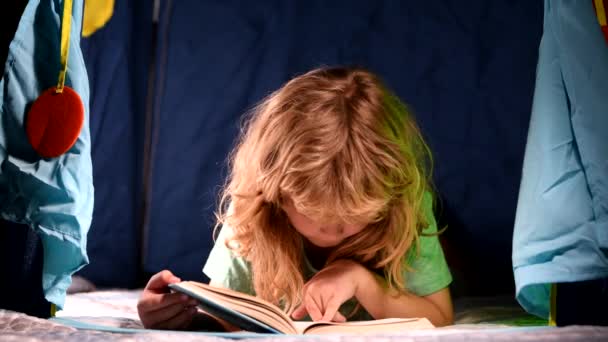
pixel 112 314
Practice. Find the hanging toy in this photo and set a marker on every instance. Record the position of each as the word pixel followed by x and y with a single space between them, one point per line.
pixel 96 15
pixel 55 119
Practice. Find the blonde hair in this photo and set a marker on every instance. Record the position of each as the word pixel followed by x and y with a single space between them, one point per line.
pixel 342 146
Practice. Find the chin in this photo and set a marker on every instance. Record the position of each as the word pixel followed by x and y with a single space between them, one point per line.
pixel 325 244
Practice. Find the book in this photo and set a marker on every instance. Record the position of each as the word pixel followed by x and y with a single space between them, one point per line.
pixel 253 314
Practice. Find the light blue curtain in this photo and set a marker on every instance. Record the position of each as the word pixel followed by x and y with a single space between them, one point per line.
pixel 54 196
pixel 561 227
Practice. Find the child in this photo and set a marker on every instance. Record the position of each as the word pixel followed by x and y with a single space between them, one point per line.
pixel 327 211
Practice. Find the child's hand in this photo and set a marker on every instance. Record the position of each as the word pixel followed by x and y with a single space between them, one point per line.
pixel 327 290
pixel 160 309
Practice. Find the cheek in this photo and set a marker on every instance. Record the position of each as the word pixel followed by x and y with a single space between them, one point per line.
pixel 351 230
pixel 307 226
pixel 300 222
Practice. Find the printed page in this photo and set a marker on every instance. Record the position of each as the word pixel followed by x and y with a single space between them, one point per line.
pixel 389 325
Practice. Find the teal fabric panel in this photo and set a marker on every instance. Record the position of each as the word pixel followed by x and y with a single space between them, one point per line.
pixel 53 196
pixel 561 226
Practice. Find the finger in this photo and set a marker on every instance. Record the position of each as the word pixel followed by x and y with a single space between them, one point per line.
pixel 180 320
pixel 160 280
pixel 299 312
pixel 159 316
pixel 339 317
pixel 313 309
pixel 332 308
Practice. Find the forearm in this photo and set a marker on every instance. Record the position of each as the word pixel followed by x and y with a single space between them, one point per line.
pixel 380 303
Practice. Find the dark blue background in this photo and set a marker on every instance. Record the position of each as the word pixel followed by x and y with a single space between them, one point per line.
pixel 467 69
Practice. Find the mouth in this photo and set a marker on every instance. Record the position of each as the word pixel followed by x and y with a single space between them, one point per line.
pixel 325 243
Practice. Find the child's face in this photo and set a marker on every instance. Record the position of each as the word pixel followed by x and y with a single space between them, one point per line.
pixel 318 233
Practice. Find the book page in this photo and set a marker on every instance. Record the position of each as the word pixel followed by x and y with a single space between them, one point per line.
pixel 245 297
pixel 242 303
pixel 254 311
pixel 302 326
pixel 389 325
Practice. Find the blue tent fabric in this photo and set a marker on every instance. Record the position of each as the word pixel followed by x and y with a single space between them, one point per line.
pixel 467 72
pixel 116 58
pixel 561 227
pixel 52 196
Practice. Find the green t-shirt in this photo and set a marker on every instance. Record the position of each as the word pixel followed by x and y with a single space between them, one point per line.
pixel 429 270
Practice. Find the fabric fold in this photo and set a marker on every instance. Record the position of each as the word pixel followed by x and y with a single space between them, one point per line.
pixel 53 196
pixel 561 225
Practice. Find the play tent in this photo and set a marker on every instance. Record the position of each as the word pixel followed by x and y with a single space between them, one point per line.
pixel 170 80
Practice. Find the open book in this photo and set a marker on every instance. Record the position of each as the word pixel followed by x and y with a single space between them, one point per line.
pixel 256 315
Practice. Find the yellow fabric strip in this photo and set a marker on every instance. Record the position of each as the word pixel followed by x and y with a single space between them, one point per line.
pixel 553 306
pixel 66 27
pixel 53 310
pixel 96 14
pixel 601 12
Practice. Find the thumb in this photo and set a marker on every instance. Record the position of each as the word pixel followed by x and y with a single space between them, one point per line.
pixel 160 280
pixel 299 312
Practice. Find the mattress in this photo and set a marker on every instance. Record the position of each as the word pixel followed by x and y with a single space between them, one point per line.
pixel 112 314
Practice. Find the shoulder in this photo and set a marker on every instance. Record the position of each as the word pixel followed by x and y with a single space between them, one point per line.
pixel 426 270
pixel 225 268
pixel 427 211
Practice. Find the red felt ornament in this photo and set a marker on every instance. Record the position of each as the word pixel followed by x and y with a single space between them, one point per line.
pixel 54 121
